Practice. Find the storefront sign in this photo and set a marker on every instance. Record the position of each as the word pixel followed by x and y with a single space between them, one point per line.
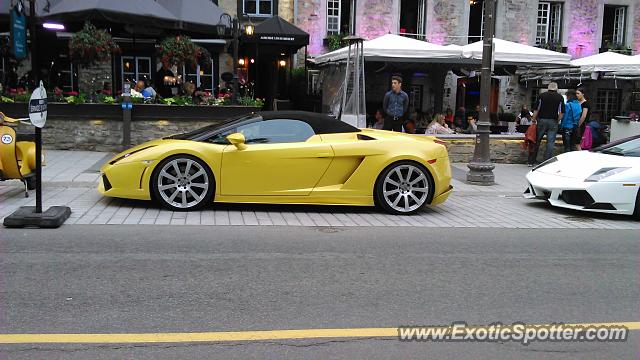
pixel 277 38
pixel 18 32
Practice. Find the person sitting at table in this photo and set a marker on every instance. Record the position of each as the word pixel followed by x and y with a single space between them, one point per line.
pixel 438 126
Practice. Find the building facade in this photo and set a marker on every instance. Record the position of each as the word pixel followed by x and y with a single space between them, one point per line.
pixel 577 27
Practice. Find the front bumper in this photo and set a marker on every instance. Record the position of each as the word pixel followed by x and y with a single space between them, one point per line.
pixel 603 197
pixel 128 180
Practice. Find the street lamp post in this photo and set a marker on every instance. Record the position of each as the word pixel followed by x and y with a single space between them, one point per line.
pixel 480 167
pixel 236 31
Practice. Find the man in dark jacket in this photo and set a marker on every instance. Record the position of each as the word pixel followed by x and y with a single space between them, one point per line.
pixel 548 114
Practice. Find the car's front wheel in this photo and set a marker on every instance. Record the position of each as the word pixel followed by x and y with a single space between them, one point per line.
pixel 182 182
pixel 404 188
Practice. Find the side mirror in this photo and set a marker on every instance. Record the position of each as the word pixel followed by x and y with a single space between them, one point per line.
pixel 237 139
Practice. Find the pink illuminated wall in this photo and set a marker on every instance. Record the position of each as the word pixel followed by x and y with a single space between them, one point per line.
pixel 375 18
pixel 582 39
pixel 311 18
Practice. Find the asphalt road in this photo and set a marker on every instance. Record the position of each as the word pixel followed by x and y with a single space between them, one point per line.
pixel 159 279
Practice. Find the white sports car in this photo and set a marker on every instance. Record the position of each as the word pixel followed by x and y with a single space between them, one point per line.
pixel 606 179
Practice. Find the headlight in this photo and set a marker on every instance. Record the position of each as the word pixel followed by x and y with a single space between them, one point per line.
pixel 605 173
pixel 544 163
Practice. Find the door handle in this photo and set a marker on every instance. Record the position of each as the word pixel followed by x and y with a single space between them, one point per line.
pixel 324 155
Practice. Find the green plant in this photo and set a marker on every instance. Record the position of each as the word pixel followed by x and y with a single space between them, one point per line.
pixel 5 99
pixel 76 99
pixel 22 97
pixel 91 45
pixel 108 100
pixel 334 41
pixel 248 101
pixel 178 100
pixel 618 47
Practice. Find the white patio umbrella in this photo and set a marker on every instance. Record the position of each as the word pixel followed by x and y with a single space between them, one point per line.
pixel 511 53
pixel 608 62
pixel 396 48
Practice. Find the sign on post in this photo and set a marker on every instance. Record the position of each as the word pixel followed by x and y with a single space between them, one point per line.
pixel 38 106
pixel 18 32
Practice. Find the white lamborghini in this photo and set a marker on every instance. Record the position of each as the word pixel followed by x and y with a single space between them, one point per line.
pixel 606 179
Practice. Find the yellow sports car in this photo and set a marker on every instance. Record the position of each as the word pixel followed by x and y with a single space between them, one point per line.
pixel 283 157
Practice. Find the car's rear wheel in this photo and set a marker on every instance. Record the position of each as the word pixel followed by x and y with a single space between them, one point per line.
pixel 404 188
pixel 182 182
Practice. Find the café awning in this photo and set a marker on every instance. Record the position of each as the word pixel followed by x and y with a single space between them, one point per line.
pixel 277 31
pixel 511 53
pixel 194 15
pixel 396 48
pixel 113 11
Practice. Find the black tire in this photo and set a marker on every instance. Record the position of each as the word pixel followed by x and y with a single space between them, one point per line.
pixel 31 182
pixel 404 188
pixel 636 209
pixel 185 186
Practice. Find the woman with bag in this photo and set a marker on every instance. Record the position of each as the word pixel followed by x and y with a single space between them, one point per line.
pixel 586 115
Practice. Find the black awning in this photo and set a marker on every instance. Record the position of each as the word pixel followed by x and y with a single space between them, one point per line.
pixel 277 31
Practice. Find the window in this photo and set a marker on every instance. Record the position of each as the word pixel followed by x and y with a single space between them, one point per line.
pixel 476 20
pixel 200 76
pixel 608 103
pixel 134 68
pixel 269 132
pixel 258 7
pixel 549 24
pixel 613 25
pixel 413 18
pixel 65 75
pixel 333 17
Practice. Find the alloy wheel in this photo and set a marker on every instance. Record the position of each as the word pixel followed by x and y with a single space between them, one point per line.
pixel 405 188
pixel 183 183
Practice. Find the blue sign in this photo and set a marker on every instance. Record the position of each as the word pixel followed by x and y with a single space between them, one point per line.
pixel 18 34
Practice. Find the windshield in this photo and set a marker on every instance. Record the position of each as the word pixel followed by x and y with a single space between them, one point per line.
pixel 198 133
pixel 627 148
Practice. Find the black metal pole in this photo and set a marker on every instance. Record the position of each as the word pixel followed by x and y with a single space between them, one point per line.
pixel 36 80
pixel 236 30
pixel 480 167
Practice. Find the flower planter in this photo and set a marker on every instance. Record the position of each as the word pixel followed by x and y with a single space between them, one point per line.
pixel 140 112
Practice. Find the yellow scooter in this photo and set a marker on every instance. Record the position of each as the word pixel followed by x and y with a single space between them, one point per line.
pixel 17 154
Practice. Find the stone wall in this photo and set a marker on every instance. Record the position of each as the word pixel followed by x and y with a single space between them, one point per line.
pixel 312 20
pixel 447 21
pixel 375 18
pixel 504 151
pixel 93 78
pixel 106 135
pixel 636 30
pixel 516 19
pixel 285 10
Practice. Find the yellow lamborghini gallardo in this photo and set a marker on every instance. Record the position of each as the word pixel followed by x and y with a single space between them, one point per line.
pixel 285 157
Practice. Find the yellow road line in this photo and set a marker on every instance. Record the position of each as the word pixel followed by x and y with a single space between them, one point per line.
pixel 224 336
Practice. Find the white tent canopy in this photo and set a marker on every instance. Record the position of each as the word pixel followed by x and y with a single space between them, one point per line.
pixel 511 53
pixel 608 62
pixel 397 48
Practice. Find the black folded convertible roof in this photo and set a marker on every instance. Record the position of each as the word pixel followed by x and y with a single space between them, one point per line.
pixel 320 123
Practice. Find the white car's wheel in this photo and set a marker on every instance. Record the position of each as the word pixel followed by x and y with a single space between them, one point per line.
pixel 404 188
pixel 182 182
pixel 636 210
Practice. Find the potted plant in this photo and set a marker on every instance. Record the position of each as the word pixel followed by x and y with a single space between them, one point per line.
pixel 180 50
pixel 91 45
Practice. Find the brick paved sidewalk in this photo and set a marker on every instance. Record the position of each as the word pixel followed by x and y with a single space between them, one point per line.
pixel 498 206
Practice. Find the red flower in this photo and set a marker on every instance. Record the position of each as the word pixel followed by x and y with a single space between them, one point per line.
pixel 71 93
